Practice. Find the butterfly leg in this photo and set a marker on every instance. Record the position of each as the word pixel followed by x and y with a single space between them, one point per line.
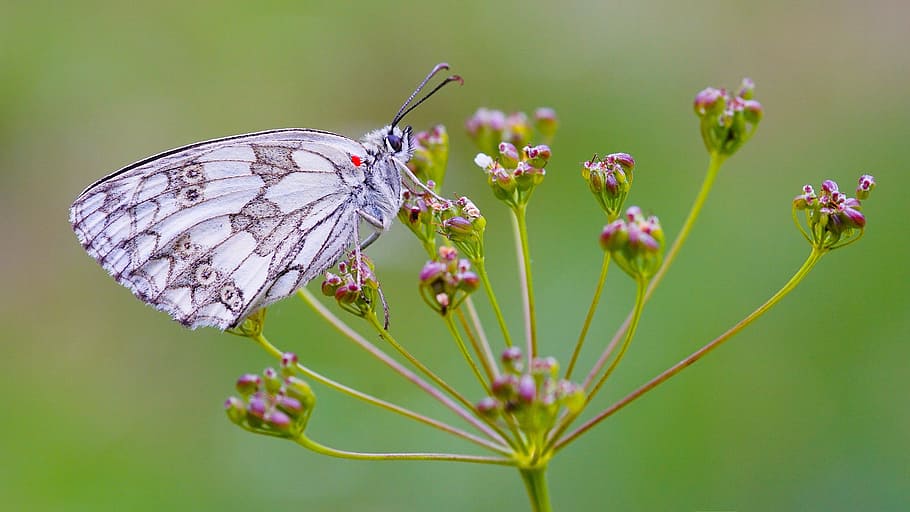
pixel 415 180
pixel 360 246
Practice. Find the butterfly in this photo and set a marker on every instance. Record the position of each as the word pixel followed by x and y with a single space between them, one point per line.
pixel 213 231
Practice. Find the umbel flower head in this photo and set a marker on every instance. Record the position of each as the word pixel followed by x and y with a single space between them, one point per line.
pixel 531 397
pixel 727 120
pixel 610 180
pixel 833 219
pixel 487 128
pixel 446 282
pixel 513 175
pixel 355 287
pixel 273 403
pixel 462 223
pixel 635 242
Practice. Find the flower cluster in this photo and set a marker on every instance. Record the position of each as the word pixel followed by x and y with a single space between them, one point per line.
pixel 727 121
pixel 635 242
pixel 463 225
pixel 488 128
pixel 355 287
pixel 273 403
pixel 532 397
pixel 431 156
pixel 610 180
pixel 446 282
pixel 512 175
pixel 833 219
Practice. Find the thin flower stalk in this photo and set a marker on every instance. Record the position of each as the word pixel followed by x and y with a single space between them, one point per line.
pixel 263 342
pixel 486 358
pixel 351 334
pixel 797 278
pixel 465 353
pixel 520 224
pixel 592 309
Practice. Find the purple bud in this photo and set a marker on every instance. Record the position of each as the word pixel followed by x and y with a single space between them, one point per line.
pixel 271 380
pixel 614 235
pixel 289 405
pixel 432 271
pixel 447 253
pixel 504 386
pixel 347 294
pixel 546 121
pixel 747 89
pixel 623 159
pixel 829 187
pixel 277 420
pixel 511 355
pixel 288 359
pixel 537 156
pixel 257 406
pixel 709 100
pixel 248 384
pixel 544 366
pixel 865 186
pixel 331 284
pixel 855 217
pixel 488 406
pixel 508 154
pixel 458 226
pixel 235 409
pixel 467 281
pixel 752 111
pixel 527 388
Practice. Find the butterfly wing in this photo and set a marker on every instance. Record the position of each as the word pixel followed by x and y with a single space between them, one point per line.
pixel 212 231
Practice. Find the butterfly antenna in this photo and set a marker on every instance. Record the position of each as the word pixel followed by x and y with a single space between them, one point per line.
pixel 407 107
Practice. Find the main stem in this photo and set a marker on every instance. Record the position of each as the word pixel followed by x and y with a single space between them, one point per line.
pixel 521 231
pixel 810 262
pixel 535 480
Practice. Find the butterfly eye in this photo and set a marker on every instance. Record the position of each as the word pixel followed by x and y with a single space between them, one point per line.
pixel 394 141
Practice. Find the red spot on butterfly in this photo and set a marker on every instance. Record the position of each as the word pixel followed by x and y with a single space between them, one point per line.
pixel 356 160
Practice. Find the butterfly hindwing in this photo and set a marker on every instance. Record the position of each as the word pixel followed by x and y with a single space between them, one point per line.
pixel 213 231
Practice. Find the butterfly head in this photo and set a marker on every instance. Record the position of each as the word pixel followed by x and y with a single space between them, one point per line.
pixel 390 141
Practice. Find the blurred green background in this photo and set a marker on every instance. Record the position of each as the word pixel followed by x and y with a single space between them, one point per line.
pixel 108 405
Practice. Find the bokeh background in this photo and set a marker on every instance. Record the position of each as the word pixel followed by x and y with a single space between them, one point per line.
pixel 108 405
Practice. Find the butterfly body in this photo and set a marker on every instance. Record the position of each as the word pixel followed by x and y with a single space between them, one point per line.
pixel 212 231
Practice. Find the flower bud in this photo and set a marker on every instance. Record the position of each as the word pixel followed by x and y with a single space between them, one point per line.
pixel 508 155
pixel 511 360
pixel 277 420
pixel 248 384
pixel 235 409
pixel 331 284
pixel 301 391
pixel 489 407
pixel 546 122
pixel 271 380
pixel 865 186
pixel 505 386
pixel 527 388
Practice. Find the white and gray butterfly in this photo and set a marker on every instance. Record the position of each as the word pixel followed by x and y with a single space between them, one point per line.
pixel 215 230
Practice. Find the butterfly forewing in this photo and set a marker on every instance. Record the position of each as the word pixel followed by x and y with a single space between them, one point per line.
pixel 213 231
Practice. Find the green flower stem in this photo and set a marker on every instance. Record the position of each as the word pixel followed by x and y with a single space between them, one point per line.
pixel 482 350
pixel 604 268
pixel 713 167
pixel 332 452
pixel 492 429
pixel 351 334
pixel 337 386
pixel 453 330
pixel 630 333
pixel 535 480
pixel 524 263
pixel 807 266
pixel 481 269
